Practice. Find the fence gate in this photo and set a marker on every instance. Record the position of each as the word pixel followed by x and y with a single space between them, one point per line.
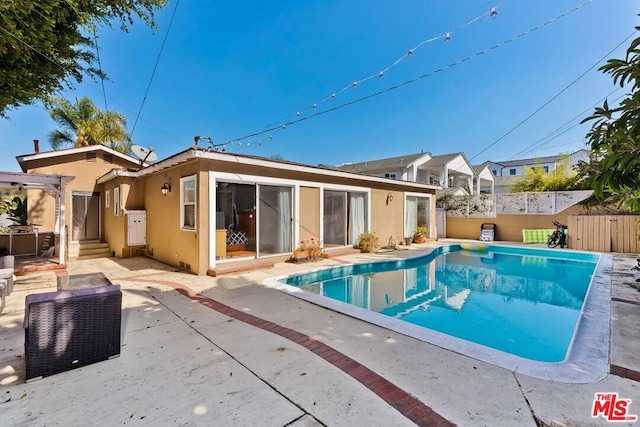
pixel 604 233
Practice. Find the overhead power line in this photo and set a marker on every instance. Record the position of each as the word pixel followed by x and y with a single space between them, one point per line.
pixel 563 128
pixel 155 67
pixel 554 97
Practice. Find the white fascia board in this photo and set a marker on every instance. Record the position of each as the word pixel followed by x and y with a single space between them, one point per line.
pixel 421 160
pixel 70 151
pixel 114 173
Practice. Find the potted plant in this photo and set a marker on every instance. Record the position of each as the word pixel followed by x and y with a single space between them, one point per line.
pixel 368 242
pixel 420 234
pixel 301 251
pixel 310 249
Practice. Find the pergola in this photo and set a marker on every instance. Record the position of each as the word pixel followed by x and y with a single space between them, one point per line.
pixel 54 185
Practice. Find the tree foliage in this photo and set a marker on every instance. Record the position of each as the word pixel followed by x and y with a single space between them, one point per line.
pixel 84 124
pixel 16 208
pixel 615 136
pixel 537 179
pixel 46 43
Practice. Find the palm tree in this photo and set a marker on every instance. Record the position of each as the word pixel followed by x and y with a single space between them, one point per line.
pixel 85 124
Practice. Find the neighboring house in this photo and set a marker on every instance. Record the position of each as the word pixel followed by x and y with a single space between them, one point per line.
pixel 484 180
pixel 447 171
pixel 505 171
pixel 199 208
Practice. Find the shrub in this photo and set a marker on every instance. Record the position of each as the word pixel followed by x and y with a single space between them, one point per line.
pixel 368 242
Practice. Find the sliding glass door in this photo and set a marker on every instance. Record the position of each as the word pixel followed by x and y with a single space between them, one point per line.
pixel 275 220
pixel 85 216
pixel 344 217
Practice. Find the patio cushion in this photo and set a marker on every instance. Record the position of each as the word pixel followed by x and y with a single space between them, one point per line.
pixel 538 235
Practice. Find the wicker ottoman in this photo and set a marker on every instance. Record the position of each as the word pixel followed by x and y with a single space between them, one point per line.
pixel 69 329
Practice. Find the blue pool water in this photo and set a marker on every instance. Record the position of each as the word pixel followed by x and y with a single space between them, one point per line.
pixel 518 300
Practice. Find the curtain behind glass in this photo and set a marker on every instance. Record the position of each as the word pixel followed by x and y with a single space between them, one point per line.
pixel 335 218
pixel 357 219
pixel 274 217
pixel 284 220
pixel 411 215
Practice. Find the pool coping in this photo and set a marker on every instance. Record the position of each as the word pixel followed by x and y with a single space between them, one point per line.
pixel 587 359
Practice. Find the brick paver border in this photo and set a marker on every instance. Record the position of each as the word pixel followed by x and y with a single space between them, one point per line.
pixel 399 399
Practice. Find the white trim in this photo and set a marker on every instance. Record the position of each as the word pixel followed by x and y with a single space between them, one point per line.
pixel 114 173
pixel 213 244
pixel 116 200
pixel 71 151
pixel 404 212
pixel 107 199
pixel 184 180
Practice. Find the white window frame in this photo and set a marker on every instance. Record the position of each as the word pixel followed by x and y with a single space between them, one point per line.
pixel 116 200
pixel 183 181
pixel 107 199
pixel 432 223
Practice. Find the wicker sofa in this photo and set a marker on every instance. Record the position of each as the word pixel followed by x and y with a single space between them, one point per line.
pixel 7 276
pixel 71 328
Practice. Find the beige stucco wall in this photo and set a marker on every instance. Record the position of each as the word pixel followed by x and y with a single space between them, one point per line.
pixel 309 213
pixel 114 227
pixel 387 220
pixel 41 206
pixel 166 242
pixel 508 227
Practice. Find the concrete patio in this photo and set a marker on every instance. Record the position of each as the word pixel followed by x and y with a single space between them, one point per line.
pixel 230 351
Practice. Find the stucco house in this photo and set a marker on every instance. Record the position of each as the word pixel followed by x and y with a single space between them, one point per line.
pixel 449 171
pixel 199 209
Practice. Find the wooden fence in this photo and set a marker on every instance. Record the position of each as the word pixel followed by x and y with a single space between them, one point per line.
pixel 604 233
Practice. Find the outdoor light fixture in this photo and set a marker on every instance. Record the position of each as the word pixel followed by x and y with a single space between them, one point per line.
pixel 389 198
pixel 166 188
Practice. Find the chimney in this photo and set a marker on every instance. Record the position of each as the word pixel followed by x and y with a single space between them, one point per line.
pixel 36 146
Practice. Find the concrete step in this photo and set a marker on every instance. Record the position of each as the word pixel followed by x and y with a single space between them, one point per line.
pixel 89 250
pixel 84 251
pixel 92 256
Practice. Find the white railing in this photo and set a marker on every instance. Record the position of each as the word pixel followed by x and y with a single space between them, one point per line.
pixel 490 205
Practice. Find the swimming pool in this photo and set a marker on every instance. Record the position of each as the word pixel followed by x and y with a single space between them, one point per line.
pixel 505 305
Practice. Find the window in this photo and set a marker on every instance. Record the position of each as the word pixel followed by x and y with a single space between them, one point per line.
pixel 107 199
pixel 512 171
pixel 116 201
pixel 390 175
pixel 495 172
pixel 91 157
pixel 188 203
pixel 107 158
pixel 546 169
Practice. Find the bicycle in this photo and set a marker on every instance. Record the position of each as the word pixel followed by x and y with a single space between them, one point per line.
pixel 559 236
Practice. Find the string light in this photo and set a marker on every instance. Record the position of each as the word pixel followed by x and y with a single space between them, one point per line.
pixel 447 37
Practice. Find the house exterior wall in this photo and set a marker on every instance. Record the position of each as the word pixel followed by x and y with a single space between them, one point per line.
pixel 309 213
pixel 387 220
pixel 166 241
pixel 114 226
pixel 41 206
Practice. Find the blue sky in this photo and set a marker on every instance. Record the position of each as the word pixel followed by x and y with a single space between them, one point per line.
pixel 230 69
